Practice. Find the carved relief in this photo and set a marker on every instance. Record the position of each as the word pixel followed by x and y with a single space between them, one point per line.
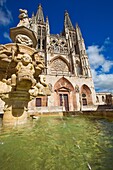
pixel 23 39
pixel 59 65
pixel 4 52
pixel 58 46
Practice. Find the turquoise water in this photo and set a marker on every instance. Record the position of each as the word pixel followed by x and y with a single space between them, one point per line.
pixel 53 143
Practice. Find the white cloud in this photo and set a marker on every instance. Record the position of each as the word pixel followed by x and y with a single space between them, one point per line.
pixel 107 41
pixel 97 58
pixel 5 15
pixel 104 82
pixel 107 65
pixel 100 67
pixel 6 35
pixel 2 2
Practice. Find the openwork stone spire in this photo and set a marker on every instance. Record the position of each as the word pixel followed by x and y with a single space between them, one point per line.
pixel 67 21
pixel 40 15
pixel 78 31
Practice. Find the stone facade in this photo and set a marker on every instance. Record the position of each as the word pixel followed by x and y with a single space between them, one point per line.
pixel 67 69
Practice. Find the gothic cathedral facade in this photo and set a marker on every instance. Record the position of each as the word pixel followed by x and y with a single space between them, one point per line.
pixel 67 69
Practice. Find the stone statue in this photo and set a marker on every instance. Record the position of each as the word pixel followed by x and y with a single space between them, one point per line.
pixel 41 88
pixel 38 62
pixel 38 89
pixel 77 89
pixel 24 20
pixel 41 84
pixel 25 68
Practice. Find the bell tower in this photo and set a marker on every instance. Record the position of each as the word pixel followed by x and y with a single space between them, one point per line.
pixel 69 32
pixel 86 71
pixel 77 52
pixel 39 26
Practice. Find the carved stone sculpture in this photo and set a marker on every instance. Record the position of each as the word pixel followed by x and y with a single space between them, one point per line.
pixel 23 39
pixel 22 64
pixel 25 69
pixel 24 20
pixel 41 87
pixel 77 89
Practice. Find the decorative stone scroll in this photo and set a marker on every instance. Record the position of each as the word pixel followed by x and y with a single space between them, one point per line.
pixel 23 39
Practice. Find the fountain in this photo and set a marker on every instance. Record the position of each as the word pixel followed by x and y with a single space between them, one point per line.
pixel 20 68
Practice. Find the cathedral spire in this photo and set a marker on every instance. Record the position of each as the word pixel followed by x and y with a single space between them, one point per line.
pixel 33 18
pixel 47 26
pixel 40 15
pixel 67 21
pixel 78 32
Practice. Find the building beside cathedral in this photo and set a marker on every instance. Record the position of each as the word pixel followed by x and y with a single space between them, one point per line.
pixel 67 70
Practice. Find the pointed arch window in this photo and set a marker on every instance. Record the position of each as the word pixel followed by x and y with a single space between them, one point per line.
pixel 84 99
pixel 38 43
pixel 39 31
pixel 86 71
pixel 79 69
pixel 76 49
pixel 43 44
pixel 43 32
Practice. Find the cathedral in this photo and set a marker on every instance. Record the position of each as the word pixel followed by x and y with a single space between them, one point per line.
pixel 67 69
pixel 65 84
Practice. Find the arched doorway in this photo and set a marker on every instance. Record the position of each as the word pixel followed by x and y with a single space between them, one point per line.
pixel 64 94
pixel 86 95
pixel 64 98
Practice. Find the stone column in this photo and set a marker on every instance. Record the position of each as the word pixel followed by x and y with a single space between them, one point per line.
pixel 78 98
pixel 15 110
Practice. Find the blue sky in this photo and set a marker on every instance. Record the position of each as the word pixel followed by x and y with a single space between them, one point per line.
pixel 95 18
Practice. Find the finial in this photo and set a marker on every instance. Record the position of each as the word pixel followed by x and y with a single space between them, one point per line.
pixel 46 18
pixel 66 12
pixel 76 24
pixel 40 6
pixel 33 14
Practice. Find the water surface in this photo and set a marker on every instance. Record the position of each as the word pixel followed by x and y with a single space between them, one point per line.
pixel 53 143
